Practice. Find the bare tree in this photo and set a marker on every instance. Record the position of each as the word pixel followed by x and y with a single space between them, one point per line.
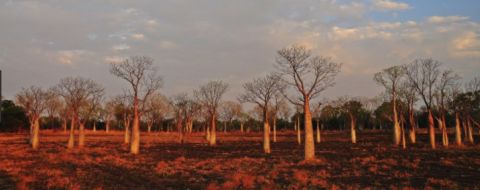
pixel 309 76
pixel 54 106
pixel 155 110
pixel 229 111
pixel 139 72
pixel 260 91
pixel 317 110
pixel 209 96
pixel 87 110
pixel 424 75
pixel 473 85
pixel 280 105
pixel 390 79
pixel 75 92
pixel 33 100
pixel 448 79
pixel 408 94
pixel 107 113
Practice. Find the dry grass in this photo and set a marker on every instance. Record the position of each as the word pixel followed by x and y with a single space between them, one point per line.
pixel 236 162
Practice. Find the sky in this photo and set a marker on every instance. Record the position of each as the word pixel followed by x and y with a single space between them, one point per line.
pixel 193 42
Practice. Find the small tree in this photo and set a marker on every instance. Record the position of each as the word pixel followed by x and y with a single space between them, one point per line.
pixel 209 96
pixel 87 110
pixel 75 92
pixel 139 72
pixel 309 76
pixel 424 75
pixel 390 79
pixel 33 101
pixel 260 91
pixel 447 80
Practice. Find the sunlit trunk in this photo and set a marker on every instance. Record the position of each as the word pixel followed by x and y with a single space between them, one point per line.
pixel 353 129
pixel 396 126
pixel 71 138
pixel 36 131
pixel 81 135
pixel 207 132
pixel 458 131
pixel 309 141
pixel 411 119
pixel 266 132
pixel 126 139
pixel 431 129
pixel 213 127
pixel 241 127
pixel 470 131
pixel 94 126
pixel 275 129
pixel 135 144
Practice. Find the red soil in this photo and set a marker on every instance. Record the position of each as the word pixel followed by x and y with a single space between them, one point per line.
pixel 236 162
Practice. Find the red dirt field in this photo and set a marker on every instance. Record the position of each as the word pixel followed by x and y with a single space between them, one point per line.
pixel 237 162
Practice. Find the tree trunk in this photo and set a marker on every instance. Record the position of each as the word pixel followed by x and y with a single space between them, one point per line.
pixel 458 131
pixel 266 132
pixel 353 129
pixel 81 135
pixel 404 140
pixel 309 141
pixel 299 131
pixel 64 125
pixel 94 126
pixel 411 119
pixel 396 126
pixel 431 128
pixel 318 134
pixel 207 132
pixel 149 127
pixel 127 132
pixel 275 129
pixel 470 131
pixel 36 131
pixel 213 126
pixel 241 127
pixel 107 126
pixel 179 128
pixel 71 139
pixel 135 145
pixel 225 127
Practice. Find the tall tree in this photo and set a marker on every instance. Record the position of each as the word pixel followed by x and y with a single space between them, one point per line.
pixel 424 75
pixel 260 91
pixel 309 76
pixel 142 77
pixel 447 80
pixel 390 79
pixel 75 92
pixel 408 94
pixel 33 101
pixel 209 95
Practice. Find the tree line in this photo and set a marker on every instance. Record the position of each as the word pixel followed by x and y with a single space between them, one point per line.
pixel 418 94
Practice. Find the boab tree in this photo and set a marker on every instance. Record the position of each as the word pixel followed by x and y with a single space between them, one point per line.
pixel 209 96
pixel 424 75
pixel 156 108
pixel 33 101
pixel 309 76
pixel 408 95
pixel 75 92
pixel 140 73
pixel 87 110
pixel 54 105
pixel 260 91
pixel 229 111
pixel 390 79
pixel 448 79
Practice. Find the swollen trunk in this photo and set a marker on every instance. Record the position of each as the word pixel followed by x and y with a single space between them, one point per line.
pixel 266 133
pixel 309 141
pixel 458 131
pixel 431 129
pixel 81 135
pixel 36 131
pixel 213 135
pixel 352 129
pixel 135 145
pixel 274 129
pixel 71 139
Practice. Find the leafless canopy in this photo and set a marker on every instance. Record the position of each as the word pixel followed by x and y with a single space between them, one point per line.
pixel 142 76
pixel 424 74
pixel 33 101
pixel 261 90
pixel 76 91
pixel 210 94
pixel 311 74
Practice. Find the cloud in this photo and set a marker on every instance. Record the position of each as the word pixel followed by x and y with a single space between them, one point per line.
pixel 68 57
pixel 468 44
pixel 113 59
pixel 390 5
pixel 121 47
pixel 168 44
pixel 445 19
pixel 138 36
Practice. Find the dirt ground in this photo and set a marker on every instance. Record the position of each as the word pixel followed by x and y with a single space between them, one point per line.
pixel 237 162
